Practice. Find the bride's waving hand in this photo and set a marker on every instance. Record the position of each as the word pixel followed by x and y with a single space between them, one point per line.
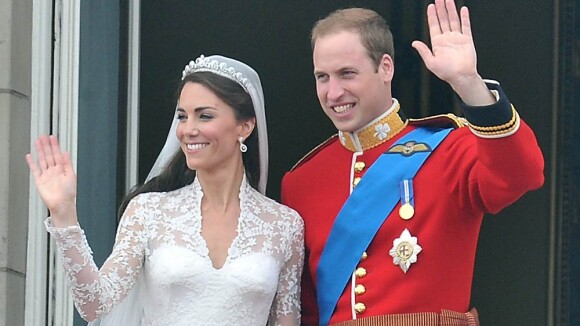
pixel 55 180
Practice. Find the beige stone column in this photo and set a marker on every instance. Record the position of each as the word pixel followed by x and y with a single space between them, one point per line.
pixel 15 93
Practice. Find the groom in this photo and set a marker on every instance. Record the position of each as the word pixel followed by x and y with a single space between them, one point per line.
pixel 393 206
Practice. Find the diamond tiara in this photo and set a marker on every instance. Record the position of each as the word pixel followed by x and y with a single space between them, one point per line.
pixel 221 68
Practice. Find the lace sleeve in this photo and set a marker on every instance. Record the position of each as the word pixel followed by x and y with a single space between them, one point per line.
pixel 95 291
pixel 286 306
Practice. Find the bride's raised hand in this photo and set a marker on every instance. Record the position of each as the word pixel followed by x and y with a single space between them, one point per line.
pixel 55 179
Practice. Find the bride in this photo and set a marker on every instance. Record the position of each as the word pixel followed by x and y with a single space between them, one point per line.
pixel 198 243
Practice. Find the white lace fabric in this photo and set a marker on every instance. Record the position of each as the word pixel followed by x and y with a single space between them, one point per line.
pixel 159 242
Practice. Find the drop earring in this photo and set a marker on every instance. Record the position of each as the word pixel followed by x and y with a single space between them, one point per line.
pixel 243 147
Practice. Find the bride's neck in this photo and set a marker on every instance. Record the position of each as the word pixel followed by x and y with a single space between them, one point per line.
pixel 221 189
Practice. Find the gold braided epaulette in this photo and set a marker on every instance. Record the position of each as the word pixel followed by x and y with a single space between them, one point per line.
pixel 448 120
pixel 315 150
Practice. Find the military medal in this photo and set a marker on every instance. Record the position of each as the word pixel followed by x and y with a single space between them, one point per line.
pixel 406 211
pixel 405 250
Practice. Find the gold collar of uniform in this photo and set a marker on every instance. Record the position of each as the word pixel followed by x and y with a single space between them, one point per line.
pixel 376 132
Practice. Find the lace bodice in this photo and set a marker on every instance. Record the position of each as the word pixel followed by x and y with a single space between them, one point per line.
pixel 159 242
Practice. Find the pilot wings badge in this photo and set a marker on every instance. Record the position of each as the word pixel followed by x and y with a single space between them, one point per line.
pixel 409 148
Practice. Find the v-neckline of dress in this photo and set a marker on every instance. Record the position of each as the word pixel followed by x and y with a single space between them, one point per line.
pixel 199 196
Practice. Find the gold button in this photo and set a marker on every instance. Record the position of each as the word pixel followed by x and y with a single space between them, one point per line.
pixel 355 181
pixel 359 289
pixel 360 307
pixel 359 166
pixel 360 272
pixel 364 256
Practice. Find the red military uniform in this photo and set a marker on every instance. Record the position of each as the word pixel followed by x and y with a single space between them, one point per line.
pixel 475 170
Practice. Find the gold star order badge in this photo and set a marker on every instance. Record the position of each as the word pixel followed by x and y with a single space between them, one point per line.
pixel 405 250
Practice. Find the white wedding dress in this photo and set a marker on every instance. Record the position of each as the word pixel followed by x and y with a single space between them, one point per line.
pixel 160 273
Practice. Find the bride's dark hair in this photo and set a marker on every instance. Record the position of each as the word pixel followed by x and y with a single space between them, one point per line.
pixel 177 174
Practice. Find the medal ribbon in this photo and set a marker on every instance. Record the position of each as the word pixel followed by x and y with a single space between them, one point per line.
pixel 407 201
pixel 407 192
pixel 372 200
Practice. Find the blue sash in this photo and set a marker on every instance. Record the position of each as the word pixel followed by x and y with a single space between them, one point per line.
pixel 365 210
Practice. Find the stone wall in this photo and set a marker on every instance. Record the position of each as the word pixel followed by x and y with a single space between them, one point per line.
pixel 15 91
